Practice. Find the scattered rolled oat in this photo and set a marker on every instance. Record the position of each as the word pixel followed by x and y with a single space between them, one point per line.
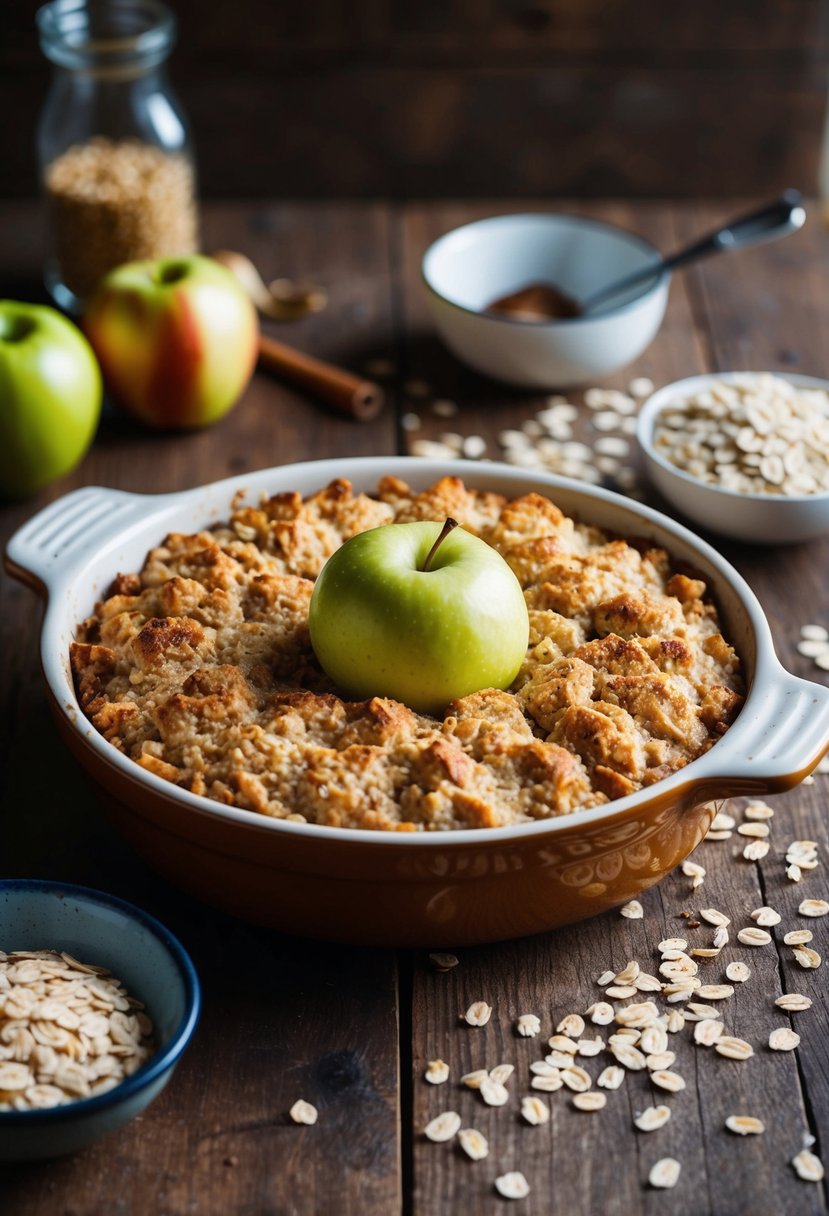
pixel 641 387
pixel 672 943
pixel 628 1055
pixel 707 1032
pixel 666 1079
pixel 620 992
pixel 478 1014
pixel 652 1118
pixel 494 1093
pixel 715 992
pixel 535 1111
pixel 734 1049
pixel 793 873
pixel 611 1077
pixel 443 1127
pixel 572 1026
pixel 589 1100
pixel 605 978
pixel 437 1072
pixel 698 1013
pixel 576 1078
pixel 797 937
pixel 528 1025
pixel 758 810
pixel 633 910
pixel 695 872
pixel 548 1084
pixel 659 1061
pixel 563 1043
pixel 807 957
pixel 756 850
pixel 714 917
pixel 513 1185
pixel 814 907
pixel 501 1073
pixel 473 1143
pixel 590 1047
pixel 303 1112
pixel 783 1039
pixel 737 972
pixel 675 1020
pixel 628 974
pixel 807 1166
pixel 758 830
pixel 793 1002
pixel 654 1039
pixel 601 1013
pixel 665 1173
pixel 745 1125
pixel 754 937
pixel 766 916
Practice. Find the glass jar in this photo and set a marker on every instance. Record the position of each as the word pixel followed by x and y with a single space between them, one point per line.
pixel 113 145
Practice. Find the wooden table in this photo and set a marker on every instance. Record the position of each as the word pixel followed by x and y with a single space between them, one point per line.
pixel 352 1030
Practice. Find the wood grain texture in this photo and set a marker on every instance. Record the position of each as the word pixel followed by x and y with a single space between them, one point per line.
pixel 439 99
pixel 285 1019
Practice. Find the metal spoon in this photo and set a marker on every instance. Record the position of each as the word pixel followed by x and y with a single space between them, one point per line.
pixel 546 301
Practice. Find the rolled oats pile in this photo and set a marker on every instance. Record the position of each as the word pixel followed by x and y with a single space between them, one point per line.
pixel 116 201
pixel 68 1030
pixel 757 434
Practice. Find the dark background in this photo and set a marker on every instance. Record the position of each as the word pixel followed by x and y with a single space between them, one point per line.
pixel 430 98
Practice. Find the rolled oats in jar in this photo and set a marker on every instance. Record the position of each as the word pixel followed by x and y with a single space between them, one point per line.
pixel 113 144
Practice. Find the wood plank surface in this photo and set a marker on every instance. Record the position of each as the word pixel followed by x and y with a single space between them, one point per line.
pixel 284 1018
pixel 375 97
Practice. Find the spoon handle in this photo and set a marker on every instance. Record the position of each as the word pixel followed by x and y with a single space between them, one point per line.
pixel 776 219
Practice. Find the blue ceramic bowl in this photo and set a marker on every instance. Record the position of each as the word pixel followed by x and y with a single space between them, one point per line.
pixel 146 957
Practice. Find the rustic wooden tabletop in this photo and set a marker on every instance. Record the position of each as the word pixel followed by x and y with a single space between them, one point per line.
pixel 352 1030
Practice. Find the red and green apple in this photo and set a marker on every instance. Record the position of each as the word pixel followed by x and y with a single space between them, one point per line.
pixel 177 340
pixel 50 397
pixel 421 612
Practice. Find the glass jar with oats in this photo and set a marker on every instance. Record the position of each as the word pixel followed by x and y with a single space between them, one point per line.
pixel 113 144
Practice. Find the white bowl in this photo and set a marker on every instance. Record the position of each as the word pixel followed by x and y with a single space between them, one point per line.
pixel 468 268
pixel 759 518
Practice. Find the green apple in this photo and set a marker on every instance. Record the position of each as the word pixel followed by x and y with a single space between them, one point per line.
pixel 50 397
pixel 419 612
pixel 177 340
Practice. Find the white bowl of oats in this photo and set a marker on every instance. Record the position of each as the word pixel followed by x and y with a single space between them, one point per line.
pixel 745 454
pixel 98 1001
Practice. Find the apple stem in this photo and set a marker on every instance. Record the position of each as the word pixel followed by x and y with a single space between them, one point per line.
pixel 449 526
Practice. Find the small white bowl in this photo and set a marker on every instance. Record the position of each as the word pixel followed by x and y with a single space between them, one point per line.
pixel 758 518
pixel 468 268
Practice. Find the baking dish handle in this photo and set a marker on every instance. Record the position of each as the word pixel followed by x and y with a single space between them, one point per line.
pixel 786 734
pixel 53 542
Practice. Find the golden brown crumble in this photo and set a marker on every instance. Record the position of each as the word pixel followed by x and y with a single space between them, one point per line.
pixel 201 670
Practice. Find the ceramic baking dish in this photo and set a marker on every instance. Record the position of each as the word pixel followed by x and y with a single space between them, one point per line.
pixel 453 887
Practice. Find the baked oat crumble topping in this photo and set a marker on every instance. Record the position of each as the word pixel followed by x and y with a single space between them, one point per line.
pixel 200 669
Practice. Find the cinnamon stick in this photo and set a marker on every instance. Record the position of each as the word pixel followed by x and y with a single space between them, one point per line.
pixel 339 389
